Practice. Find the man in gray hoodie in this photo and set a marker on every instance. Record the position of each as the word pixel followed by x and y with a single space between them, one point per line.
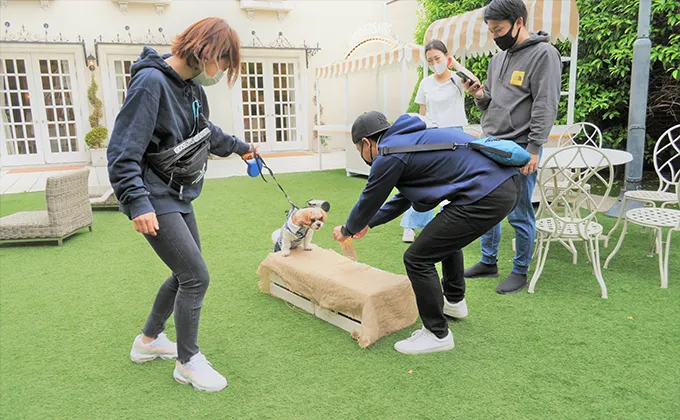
pixel 519 102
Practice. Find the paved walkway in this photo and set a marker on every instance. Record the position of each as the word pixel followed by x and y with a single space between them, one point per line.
pixel 34 179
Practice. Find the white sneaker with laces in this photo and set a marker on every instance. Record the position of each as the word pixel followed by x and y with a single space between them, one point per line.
pixel 424 341
pixel 160 347
pixel 455 310
pixel 409 235
pixel 198 372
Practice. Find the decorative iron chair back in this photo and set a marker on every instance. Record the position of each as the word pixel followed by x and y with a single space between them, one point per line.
pixel 667 158
pixel 568 202
pixel 583 133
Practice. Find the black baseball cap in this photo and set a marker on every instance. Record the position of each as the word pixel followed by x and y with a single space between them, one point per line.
pixel 368 124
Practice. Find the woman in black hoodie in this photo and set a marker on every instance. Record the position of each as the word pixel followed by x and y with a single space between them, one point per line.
pixel 157 158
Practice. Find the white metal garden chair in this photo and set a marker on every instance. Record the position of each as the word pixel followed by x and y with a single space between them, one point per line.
pixel 656 219
pixel 667 166
pixel 583 133
pixel 565 222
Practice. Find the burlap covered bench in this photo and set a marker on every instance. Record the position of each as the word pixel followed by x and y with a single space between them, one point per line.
pixel 367 302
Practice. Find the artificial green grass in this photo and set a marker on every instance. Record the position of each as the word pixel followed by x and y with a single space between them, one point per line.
pixel 68 316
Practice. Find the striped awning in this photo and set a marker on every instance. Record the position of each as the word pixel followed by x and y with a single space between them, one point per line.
pixel 411 53
pixel 467 34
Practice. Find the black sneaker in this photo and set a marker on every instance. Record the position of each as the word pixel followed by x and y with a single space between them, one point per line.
pixel 514 283
pixel 480 270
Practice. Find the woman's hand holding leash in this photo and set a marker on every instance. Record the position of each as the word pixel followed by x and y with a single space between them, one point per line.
pixel 251 153
pixel 146 223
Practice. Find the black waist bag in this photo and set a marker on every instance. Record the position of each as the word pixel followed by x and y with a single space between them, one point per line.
pixel 186 163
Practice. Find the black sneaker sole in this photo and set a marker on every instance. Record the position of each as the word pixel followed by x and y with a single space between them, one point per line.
pixel 511 292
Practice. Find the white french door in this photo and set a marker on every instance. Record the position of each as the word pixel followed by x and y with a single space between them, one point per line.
pixel 39 109
pixel 119 80
pixel 269 112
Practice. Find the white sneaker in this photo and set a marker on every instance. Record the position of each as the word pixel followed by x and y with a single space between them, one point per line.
pixel 455 310
pixel 160 347
pixel 199 373
pixel 424 341
pixel 409 235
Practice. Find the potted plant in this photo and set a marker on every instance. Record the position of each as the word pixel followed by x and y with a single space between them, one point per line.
pixel 96 138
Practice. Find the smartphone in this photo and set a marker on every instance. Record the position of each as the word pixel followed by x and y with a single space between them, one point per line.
pixel 463 76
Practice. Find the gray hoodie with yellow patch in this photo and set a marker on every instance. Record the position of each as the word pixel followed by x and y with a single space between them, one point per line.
pixel 522 92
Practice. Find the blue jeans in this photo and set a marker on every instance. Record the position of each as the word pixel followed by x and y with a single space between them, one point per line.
pixel 523 220
pixel 416 220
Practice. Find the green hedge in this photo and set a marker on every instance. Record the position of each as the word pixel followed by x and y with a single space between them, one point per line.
pixel 607 31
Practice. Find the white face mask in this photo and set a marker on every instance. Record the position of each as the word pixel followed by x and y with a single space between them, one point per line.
pixel 438 68
pixel 205 80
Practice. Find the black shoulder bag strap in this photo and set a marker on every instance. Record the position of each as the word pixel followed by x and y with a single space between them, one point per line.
pixel 434 147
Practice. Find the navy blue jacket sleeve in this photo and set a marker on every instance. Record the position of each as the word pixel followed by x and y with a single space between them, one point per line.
pixel 390 210
pixel 131 135
pixel 221 143
pixel 384 175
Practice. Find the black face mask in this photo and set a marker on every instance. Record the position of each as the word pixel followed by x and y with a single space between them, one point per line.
pixel 370 153
pixel 505 42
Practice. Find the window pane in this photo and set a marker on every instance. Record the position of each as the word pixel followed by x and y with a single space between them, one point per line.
pixel 23 83
pixel 74 145
pixel 64 145
pixel 54 146
pixel 118 65
pixel 32 147
pixel 21 67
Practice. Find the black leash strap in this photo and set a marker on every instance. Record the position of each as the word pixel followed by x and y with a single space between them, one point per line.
pixel 264 165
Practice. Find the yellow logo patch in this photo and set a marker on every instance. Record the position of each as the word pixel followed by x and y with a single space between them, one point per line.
pixel 517 78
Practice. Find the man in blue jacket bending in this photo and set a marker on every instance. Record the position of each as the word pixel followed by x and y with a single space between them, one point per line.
pixel 480 192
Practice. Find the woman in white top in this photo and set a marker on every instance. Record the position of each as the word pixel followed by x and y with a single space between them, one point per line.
pixel 441 99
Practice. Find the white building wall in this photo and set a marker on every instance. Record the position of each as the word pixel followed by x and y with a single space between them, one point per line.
pixel 329 23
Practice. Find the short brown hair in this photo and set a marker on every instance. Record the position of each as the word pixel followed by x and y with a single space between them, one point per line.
pixel 210 39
